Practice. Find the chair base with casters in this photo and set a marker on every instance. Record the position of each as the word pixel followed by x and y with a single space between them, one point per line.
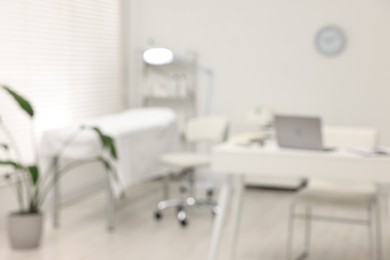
pixel 182 205
pixel 364 197
pixel 186 163
pixel 208 131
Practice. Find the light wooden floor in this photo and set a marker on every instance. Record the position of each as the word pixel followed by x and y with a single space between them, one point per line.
pixel 138 236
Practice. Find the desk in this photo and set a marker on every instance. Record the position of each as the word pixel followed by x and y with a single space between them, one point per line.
pixel 236 161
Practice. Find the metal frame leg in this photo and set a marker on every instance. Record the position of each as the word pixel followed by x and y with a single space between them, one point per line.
pixel 386 207
pixel 375 229
pixel 110 211
pixel 371 232
pixel 378 225
pixel 307 233
pixel 166 186
pixel 219 222
pixel 290 233
pixel 191 182
pixel 56 195
pixel 187 200
pixel 239 188
pixel 374 225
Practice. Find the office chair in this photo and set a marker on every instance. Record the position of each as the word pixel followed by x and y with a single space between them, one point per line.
pixel 323 193
pixel 203 130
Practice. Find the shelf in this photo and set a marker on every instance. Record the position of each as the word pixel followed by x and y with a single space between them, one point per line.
pixel 174 86
pixel 168 99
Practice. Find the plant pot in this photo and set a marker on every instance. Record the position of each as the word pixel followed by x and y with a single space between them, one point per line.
pixel 25 230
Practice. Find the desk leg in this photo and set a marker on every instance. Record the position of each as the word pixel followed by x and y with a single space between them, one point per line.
pixel 384 218
pixel 237 210
pixel 219 222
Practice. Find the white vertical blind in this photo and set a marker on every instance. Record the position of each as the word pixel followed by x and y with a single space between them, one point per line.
pixel 65 56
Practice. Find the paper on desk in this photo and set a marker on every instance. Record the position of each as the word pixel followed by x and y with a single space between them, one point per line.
pixel 371 152
pixel 248 138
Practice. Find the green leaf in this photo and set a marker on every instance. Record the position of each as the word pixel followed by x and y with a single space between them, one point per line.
pixel 100 135
pixel 108 167
pixel 107 142
pixel 22 102
pixel 111 146
pixel 13 164
pixel 105 163
pixel 34 173
pixel 4 146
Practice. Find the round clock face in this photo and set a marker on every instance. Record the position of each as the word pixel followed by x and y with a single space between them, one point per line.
pixel 330 40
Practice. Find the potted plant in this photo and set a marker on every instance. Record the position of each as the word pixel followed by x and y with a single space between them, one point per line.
pixel 32 186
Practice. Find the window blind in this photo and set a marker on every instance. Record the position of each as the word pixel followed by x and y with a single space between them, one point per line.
pixel 65 56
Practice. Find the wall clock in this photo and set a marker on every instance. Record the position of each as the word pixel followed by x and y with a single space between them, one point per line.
pixel 330 40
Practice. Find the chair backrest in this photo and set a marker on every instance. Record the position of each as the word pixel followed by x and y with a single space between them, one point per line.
pixel 344 137
pixel 210 129
pixel 350 137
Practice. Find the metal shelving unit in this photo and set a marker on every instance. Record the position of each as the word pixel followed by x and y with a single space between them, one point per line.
pixel 172 85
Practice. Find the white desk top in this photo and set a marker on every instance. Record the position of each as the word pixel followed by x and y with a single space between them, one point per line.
pixel 273 149
pixel 271 160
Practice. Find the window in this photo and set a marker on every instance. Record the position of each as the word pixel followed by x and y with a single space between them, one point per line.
pixel 65 56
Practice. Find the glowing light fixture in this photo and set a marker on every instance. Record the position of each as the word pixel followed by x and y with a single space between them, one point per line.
pixel 163 56
pixel 158 56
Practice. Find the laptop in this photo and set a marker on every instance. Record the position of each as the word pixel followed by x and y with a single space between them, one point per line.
pixel 299 132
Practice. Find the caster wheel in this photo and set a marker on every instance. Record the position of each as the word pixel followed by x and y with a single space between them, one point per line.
pixel 157 215
pixel 182 217
pixel 179 209
pixel 210 193
pixel 214 211
pixel 183 223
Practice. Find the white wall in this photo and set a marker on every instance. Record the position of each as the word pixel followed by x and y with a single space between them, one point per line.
pixel 263 53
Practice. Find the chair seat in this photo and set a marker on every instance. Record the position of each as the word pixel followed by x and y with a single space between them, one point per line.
pixel 185 160
pixel 328 193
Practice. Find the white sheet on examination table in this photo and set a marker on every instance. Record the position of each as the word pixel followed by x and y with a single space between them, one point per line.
pixel 141 136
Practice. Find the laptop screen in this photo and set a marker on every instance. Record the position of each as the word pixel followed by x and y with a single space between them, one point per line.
pixel 299 132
